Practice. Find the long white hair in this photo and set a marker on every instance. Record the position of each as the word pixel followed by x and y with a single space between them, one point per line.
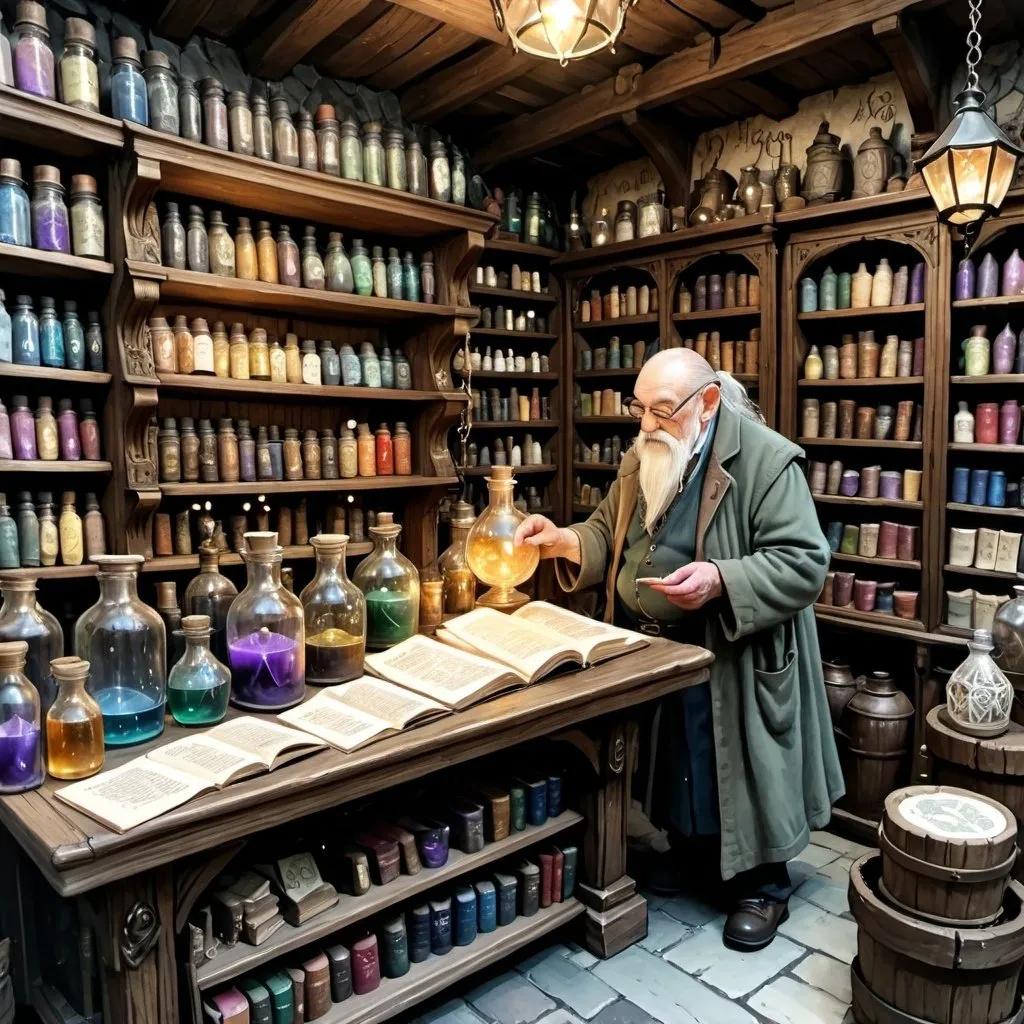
pixel 734 395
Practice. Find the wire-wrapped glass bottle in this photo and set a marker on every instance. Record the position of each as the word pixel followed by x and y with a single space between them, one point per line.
pixel 978 695
pixel 391 584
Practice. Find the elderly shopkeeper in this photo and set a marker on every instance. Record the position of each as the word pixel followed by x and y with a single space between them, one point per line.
pixel 709 536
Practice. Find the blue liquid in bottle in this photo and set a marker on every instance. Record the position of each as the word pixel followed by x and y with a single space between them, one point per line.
pixel 129 716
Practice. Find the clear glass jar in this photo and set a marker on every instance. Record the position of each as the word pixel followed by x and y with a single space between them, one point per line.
pixel 416 167
pixel 440 173
pixel 394 155
pixel 458 177
pixel 337 268
pixel 458 580
pixel 88 226
pixel 125 643
pixel 306 134
pixel 21 748
pixel 79 77
pixel 265 633
pixel 33 58
pixel 215 115
pixel 190 111
pixel 23 618
pixel 978 695
pixel 531 220
pixel 15 211
pixel 351 151
pixel 490 550
pixel 373 153
pixel 74 725
pixel 162 92
pixel 335 616
pixel 211 594
pixel 391 585
pixel 198 686
pixel 262 129
pixel 240 126
pixel 625 221
pixel 651 216
pixel 128 98
pixel 286 138
pixel 328 140
pixel 51 229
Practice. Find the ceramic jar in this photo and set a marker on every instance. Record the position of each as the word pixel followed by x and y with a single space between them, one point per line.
pixel 750 189
pixel 823 179
pixel 872 167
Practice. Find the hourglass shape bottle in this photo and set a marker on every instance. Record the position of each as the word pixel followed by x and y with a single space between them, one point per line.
pixel 335 614
pixel 74 725
pixel 490 551
pixel 265 633
pixel 125 643
pixel 21 753
pixel 391 584
pixel 198 686
pixel 22 618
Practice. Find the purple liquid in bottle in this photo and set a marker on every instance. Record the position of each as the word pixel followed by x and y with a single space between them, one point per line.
pixel 21 764
pixel 265 672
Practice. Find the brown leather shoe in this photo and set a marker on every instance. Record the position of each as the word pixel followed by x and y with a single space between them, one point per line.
pixel 752 923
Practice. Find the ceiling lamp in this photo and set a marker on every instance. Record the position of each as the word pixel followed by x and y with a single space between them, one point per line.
pixel 970 166
pixel 561 30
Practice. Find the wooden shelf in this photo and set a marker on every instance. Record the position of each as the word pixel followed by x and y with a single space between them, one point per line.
pixel 827 610
pixel 517 471
pixel 893 563
pixel 857 442
pixel 859 382
pixel 174 563
pixel 845 314
pixel 508 244
pixel 621 371
pixel 994 449
pixel 716 314
pixel 54 466
pixel 994 300
pixel 494 332
pixel 513 375
pixel 45 373
pixel 885 625
pixel 234 960
pixel 985 510
pixel 989 378
pixel 325 392
pixel 872 206
pixel 513 424
pixel 27 262
pixel 617 321
pixel 358 483
pixel 597 467
pixel 52 572
pixel 542 298
pixel 605 419
pixel 51 125
pixel 840 499
pixel 970 570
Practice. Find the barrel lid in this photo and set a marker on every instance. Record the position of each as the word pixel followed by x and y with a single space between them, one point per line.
pixel 949 814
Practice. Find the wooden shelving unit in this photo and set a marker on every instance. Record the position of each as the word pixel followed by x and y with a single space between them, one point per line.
pixel 53 373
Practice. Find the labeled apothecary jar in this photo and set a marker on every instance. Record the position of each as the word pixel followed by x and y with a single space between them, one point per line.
pixel 79 77
pixel 978 695
pixel 391 586
pixel 265 633
pixel 198 686
pixel 21 748
pixel 125 643
pixel 88 227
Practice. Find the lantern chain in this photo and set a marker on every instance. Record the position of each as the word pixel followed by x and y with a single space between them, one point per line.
pixel 974 45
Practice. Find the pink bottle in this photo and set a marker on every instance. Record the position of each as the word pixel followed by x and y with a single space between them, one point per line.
pixel 23 429
pixel 67 431
pixel 6 449
pixel 986 423
pixel 1009 422
pixel 1004 349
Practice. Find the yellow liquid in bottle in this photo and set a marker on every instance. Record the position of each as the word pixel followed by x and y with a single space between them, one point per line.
pixel 74 750
pixel 333 656
pixel 498 563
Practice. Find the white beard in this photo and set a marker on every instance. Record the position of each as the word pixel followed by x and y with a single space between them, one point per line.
pixel 663 462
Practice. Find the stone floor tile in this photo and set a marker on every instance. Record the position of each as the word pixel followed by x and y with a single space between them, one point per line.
pixel 455 1011
pixel 584 959
pixel 578 989
pixel 557 950
pixel 704 956
pixel 838 871
pixel 827 974
pixel 560 1016
pixel 663 931
pixel 510 999
pixel 824 893
pixel 816 856
pixel 665 992
pixel 811 926
pixel 788 1001
pixel 622 1012
pixel 688 910
pixel 847 847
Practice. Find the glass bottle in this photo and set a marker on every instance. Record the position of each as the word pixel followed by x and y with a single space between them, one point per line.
pixel 25 332
pixel 428 283
pixel 330 364
pixel 286 139
pixel 489 548
pixel 292 359
pixel 74 724
pixel 172 239
pixel 289 267
pixel 246 260
pixel 21 749
pixel 394 271
pixel 278 363
pixel 49 536
pixel 328 140
pixel 28 529
pixel 79 77
pixel 6 441
pixel 978 695
pixel 51 334
pixel 47 443
pixel 221 246
pixel 202 346
pixel 190 111
pixel 416 167
pixel 72 541
pixel 380 273
pixel 262 129
pixel 125 643
pixel 259 354
pixel 362 273
pixel 23 430
pixel 403 449
pixel 351 151
pixel 387 368
pixel 240 127
pixel 337 269
pixel 67 432
pixel 95 531
pixel 10 555
pixel 211 594
pixel 265 633
pixel 458 177
pixel 22 617
pixel 335 616
pixel 394 159
pixel 215 115
pixel 15 210
pixel 410 279
pixel 74 337
pixel 51 229
pixel 197 242
pixel 440 173
pixel 307 140
pixel 403 371
pixel 33 58
pixel 266 253
pixel 459 583
pixel 6 60
pixel 162 92
pixel 348 453
pixel 385 452
pixel 531 220
pixel 199 685
pixel 369 365
pixel 312 265
pixel 88 225
pixel 391 586
pixel 128 98
pixel 373 153
pixel 238 353
pixel 94 342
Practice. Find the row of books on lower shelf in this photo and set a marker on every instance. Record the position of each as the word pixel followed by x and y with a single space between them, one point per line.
pixel 307 986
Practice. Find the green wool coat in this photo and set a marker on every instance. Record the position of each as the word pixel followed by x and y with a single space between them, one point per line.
pixel 778 768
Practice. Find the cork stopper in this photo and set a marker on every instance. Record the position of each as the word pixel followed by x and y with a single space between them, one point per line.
pixel 329 543
pixel 10 582
pixel 125 48
pixel 78 30
pixel 10 168
pixel 259 541
pixel 196 623
pixel 31 13
pixel 69 668
pixel 385 525
pixel 83 184
pixel 500 472
pixel 325 112
pixel 167 594
pixel 462 513
pixel 67 498
pixel 45 173
pixel 12 655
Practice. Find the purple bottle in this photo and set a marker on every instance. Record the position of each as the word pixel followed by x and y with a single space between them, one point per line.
pixel 965 274
pixel 6 448
pixel 850 483
pixel 917 284
pixel 1009 422
pixel 67 431
pixel 1013 274
pixel 1004 349
pixel 23 429
pixel 987 284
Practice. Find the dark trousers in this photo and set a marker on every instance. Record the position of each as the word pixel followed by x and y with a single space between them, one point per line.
pixel 700 860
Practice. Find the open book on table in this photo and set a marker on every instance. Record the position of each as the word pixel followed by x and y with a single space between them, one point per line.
pixel 173 774
pixel 353 714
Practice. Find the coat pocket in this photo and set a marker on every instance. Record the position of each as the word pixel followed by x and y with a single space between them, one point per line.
pixel 777 688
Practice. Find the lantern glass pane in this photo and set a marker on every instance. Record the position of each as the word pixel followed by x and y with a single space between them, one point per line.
pixel 564 23
pixel 1003 168
pixel 970 170
pixel 938 178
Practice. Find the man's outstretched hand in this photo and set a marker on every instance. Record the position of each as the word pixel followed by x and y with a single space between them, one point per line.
pixel 554 542
pixel 688 587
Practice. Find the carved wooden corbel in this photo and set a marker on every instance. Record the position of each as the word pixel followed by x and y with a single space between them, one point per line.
pixel 627 78
pixel 135 183
pixel 454 261
pixel 670 151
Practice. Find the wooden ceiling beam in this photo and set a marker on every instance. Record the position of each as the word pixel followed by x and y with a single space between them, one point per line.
pixel 915 60
pixel 473 16
pixel 180 18
pixel 764 98
pixel 670 151
pixel 781 36
pixel 438 47
pixel 386 40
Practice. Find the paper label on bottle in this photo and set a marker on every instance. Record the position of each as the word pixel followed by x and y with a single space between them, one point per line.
pixel 202 349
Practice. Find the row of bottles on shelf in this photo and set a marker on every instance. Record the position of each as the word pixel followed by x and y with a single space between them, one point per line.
pixel 231 453
pixel 45 222
pixel 605 402
pixel 885 540
pixel 500 362
pixel 618 302
pixel 721 291
pixel 613 356
pixel 212 250
pixel 1003 354
pixel 869 482
pixel 490 406
pixel 990 423
pixel 863 289
pixel 608 452
pixel 195 348
pixel 69 436
pixel 525 321
pixel 848 420
pixel 742 356
pixel 590 495
pixel 29 339
pixel 845 590
pixel 984 548
pixel 865 359
pixel 988 279
pixel 985 487
pixel 516 280
pixel 36 536
pixel 507 453
pixel 148 91
pixel 529 499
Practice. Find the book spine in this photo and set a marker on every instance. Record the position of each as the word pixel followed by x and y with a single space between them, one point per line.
pixel 229 1006
pixel 571 854
pixel 555 806
pixel 536 801
pixel 557 874
pixel 545 879
pixel 355 872
pixel 260 1010
pixel 365 967
pixel 464 914
pixel 486 907
pixel 507 887
pixel 517 808
pixel 298 977
pixel 410 858
pixel 318 986
pixel 418 924
pixel 440 927
pixel 433 844
pixel 341 973
pixel 394 948
pixel 529 889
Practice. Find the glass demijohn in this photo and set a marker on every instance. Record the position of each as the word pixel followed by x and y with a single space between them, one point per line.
pixel 74 725
pixel 198 686
pixel 21 752
pixel 391 584
pixel 978 695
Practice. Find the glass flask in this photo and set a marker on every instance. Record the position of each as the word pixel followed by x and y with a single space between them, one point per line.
pixel 198 686
pixel 391 585
pixel 490 550
pixel 978 695
pixel 211 593
pixel 125 643
pixel 74 725
pixel 23 618
pixel 335 614
pixel 21 752
pixel 459 582
pixel 265 633
pixel 1008 636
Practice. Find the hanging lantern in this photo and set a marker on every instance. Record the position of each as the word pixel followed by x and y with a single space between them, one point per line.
pixel 561 30
pixel 970 166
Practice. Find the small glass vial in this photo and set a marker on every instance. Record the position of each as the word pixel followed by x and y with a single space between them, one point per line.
pixel 337 268
pixel 351 151
pixel 21 749
pixel 221 246
pixel 238 353
pixel 47 441
pixel 292 359
pixel 94 343
pixel 15 210
pixel 330 364
pixel 266 253
pixel 88 225
pixel 373 153
pixel 291 450
pixel 198 686
pixel 348 453
pixel 190 111
pixel 313 276
pixel 410 279
pixel 262 129
pixel 33 58
pixel 306 134
pixel 172 239
pixel 259 354
pixel 286 139
pixel 328 140
pixel 289 267
pixel 440 173
pixel 428 282
pixel 215 115
pixel 95 530
pixel 72 546
pixel 402 443
pixel 246 259
pixel 278 363
pixel 416 166
pixel 89 431
pixel 74 723
pixel 310 455
pixel 197 245
pixel 458 177
pixel 391 585
pixel 221 350
pixel 202 347
pixel 310 363
pixel 162 92
pixel 67 431
pixel 394 157
pixel 51 229
pixel 240 127
pixel 394 272
pixel 362 273
pixel 51 334
pixel 74 337
pixel 128 98
pixel 366 450
pixel 79 76
pixel 380 273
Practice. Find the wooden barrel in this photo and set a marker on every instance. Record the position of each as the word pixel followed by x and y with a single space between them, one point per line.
pixel 946 854
pixel 942 974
